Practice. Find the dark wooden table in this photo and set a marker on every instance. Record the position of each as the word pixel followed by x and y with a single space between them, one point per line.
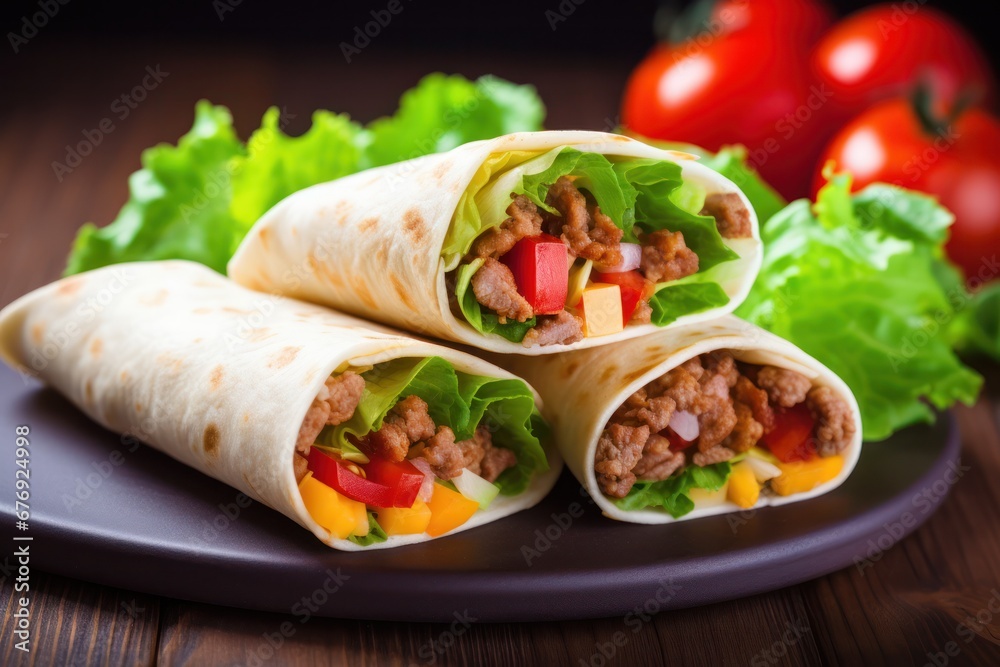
pixel 915 605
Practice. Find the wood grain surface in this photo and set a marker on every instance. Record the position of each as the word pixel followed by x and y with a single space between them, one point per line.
pixel 919 601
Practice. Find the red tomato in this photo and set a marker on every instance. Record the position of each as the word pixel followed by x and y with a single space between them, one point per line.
pixel 334 473
pixel 402 477
pixel 802 20
pixel 541 272
pixel 884 51
pixel 961 167
pixel 751 86
pixel 633 286
pixel 791 438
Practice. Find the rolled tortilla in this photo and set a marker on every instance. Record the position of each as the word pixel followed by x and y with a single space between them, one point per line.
pixel 371 244
pixel 583 389
pixel 212 374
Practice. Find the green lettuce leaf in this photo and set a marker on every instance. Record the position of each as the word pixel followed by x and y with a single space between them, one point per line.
pixel 655 183
pixel 485 322
pixel 375 533
pixel 671 494
pixel 856 282
pixel 198 199
pixel 276 165
pixel 455 399
pixel 443 112
pixel 732 162
pixel 684 297
pixel 178 202
pixel 591 172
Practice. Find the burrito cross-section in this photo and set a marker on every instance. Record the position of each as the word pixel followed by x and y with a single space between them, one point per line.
pixel 365 437
pixel 706 419
pixel 531 243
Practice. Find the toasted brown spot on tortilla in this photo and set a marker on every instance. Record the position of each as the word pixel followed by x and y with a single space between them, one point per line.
pixel 440 171
pixel 88 391
pixel 294 230
pixel 124 376
pixel 215 379
pixel 96 346
pixel 235 311
pixel 174 363
pixel 636 374
pixel 413 225
pixel 154 299
pixel 361 289
pixel 381 254
pixel 571 368
pixel 202 311
pixel 138 406
pixel 402 292
pixel 204 283
pixel 608 372
pixel 259 334
pixel 263 237
pixel 342 212
pixel 368 224
pixel 246 416
pixel 210 440
pixel 284 357
pixel 70 286
pixel 37 334
pixel 198 339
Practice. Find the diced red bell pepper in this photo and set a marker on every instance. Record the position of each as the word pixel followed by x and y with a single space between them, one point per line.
pixel 677 443
pixel 334 473
pixel 541 271
pixel 791 438
pixel 403 478
pixel 633 287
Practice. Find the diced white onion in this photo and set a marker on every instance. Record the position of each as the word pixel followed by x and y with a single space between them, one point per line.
pixel 762 470
pixel 427 488
pixel 685 424
pixel 631 259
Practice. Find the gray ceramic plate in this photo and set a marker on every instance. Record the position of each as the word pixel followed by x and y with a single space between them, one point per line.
pixel 134 518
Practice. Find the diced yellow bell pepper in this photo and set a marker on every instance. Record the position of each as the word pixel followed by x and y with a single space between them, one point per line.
pixel 703 498
pixel 602 310
pixel 578 277
pixel 405 520
pixel 743 487
pixel 449 510
pixel 337 513
pixel 803 476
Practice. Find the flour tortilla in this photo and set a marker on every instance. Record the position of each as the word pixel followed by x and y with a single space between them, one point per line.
pixel 370 244
pixel 582 390
pixel 214 375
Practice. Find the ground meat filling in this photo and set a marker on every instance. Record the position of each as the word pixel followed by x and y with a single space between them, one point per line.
pixel 581 225
pixel 563 328
pixel 495 288
pixel 834 423
pixel 335 404
pixel 407 431
pixel 735 404
pixel 666 257
pixel 730 213
pixel 524 221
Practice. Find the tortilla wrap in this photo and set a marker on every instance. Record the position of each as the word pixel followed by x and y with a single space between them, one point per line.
pixel 370 244
pixel 212 374
pixel 582 390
